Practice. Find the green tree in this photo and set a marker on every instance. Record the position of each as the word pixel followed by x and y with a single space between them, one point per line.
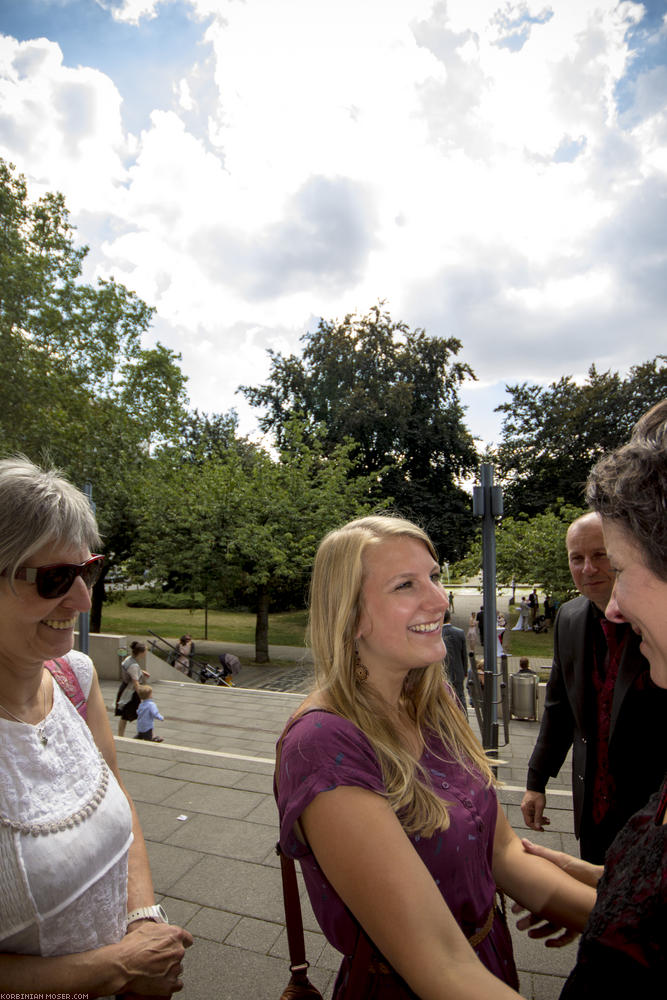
pixel 256 523
pixel 394 391
pixel 529 550
pixel 552 435
pixel 80 391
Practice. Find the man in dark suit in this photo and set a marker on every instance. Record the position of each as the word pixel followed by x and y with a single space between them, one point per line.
pixel 457 656
pixel 600 700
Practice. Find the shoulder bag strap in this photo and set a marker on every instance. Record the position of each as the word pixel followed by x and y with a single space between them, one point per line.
pixel 361 956
pixel 293 918
pixel 62 672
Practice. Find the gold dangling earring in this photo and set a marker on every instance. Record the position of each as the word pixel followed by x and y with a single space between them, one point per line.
pixel 360 671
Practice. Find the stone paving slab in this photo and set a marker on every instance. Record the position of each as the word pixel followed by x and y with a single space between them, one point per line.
pixel 206 805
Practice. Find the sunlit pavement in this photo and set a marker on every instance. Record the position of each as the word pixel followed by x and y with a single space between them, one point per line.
pixel 205 800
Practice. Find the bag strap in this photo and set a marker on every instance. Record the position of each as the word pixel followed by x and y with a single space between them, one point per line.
pixel 62 672
pixel 291 901
pixel 361 956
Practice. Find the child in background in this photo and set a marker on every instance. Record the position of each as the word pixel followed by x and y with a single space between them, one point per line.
pixel 146 712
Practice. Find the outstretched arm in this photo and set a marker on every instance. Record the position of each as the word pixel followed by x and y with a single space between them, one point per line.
pixel 539 885
pixel 366 855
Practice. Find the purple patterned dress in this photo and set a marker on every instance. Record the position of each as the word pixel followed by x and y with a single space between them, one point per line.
pixel 323 751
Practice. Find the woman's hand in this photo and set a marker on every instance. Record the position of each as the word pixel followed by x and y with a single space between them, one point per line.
pixel 583 871
pixel 152 957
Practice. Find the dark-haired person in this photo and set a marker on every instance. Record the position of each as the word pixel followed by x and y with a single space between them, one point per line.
pixel 77 909
pixel 133 675
pixel 623 951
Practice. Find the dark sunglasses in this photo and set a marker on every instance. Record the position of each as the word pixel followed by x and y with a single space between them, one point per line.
pixel 56 579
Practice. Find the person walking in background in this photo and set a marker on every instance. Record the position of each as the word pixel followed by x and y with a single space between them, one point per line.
pixel 472 635
pixel 186 648
pixel 534 604
pixel 146 714
pixel 479 618
pixel 456 662
pixel 133 674
pixel 501 626
pixel 450 598
pixel 522 622
pixel 599 701
pixel 231 667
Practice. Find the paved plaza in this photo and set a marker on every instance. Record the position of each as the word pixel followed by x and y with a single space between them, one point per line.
pixel 206 805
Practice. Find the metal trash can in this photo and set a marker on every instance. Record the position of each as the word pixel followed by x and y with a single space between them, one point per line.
pixel 523 696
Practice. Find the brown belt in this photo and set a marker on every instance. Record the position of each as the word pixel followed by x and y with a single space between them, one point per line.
pixel 477 938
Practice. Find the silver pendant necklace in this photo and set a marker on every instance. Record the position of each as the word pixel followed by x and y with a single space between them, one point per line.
pixel 43 738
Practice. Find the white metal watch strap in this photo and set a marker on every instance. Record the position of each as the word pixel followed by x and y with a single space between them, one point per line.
pixel 155 913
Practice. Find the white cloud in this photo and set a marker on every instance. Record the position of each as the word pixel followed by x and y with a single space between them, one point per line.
pixel 463 160
pixel 61 124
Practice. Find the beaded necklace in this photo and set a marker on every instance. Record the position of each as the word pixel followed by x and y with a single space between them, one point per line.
pixel 74 819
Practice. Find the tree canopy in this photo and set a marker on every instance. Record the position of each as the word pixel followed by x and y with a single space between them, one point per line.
pixel 80 390
pixel 552 435
pixel 256 522
pixel 529 550
pixel 394 392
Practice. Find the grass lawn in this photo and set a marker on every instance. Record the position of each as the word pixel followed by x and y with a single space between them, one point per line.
pixel 285 629
pixel 529 644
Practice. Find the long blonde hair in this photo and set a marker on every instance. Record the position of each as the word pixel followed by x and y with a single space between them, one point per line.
pixel 335 606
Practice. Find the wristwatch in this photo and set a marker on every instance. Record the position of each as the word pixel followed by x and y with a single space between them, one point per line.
pixel 155 913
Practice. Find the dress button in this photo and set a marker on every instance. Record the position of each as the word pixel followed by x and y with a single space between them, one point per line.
pixel 445 784
pixel 467 803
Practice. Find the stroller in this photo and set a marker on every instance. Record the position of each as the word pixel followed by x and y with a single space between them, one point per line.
pixel 207 672
pixel 230 666
pixel 541 624
pixel 198 668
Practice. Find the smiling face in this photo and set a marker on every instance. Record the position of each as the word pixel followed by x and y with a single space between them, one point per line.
pixel 639 597
pixel 402 610
pixel 35 629
pixel 587 557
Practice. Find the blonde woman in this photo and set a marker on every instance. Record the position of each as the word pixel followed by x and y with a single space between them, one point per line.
pixel 384 795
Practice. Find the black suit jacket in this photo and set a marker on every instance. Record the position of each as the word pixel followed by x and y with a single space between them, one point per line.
pixel 637 747
pixel 457 658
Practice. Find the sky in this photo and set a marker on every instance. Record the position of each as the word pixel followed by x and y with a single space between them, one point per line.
pixel 492 171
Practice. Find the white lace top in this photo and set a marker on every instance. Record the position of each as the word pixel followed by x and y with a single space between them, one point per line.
pixel 62 890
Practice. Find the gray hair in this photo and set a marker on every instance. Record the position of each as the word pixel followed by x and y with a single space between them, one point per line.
pixel 38 506
pixel 629 486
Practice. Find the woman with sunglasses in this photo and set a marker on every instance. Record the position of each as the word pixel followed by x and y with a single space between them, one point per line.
pixel 77 909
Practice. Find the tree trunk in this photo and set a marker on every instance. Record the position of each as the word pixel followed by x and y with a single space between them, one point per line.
pixel 262 626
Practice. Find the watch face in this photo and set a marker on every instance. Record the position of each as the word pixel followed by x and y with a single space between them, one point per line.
pixel 160 914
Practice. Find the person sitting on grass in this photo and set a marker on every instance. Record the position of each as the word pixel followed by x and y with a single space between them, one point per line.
pixel 146 713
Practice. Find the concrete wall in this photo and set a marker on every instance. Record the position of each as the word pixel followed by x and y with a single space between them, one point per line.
pixel 106 652
pixel 160 670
